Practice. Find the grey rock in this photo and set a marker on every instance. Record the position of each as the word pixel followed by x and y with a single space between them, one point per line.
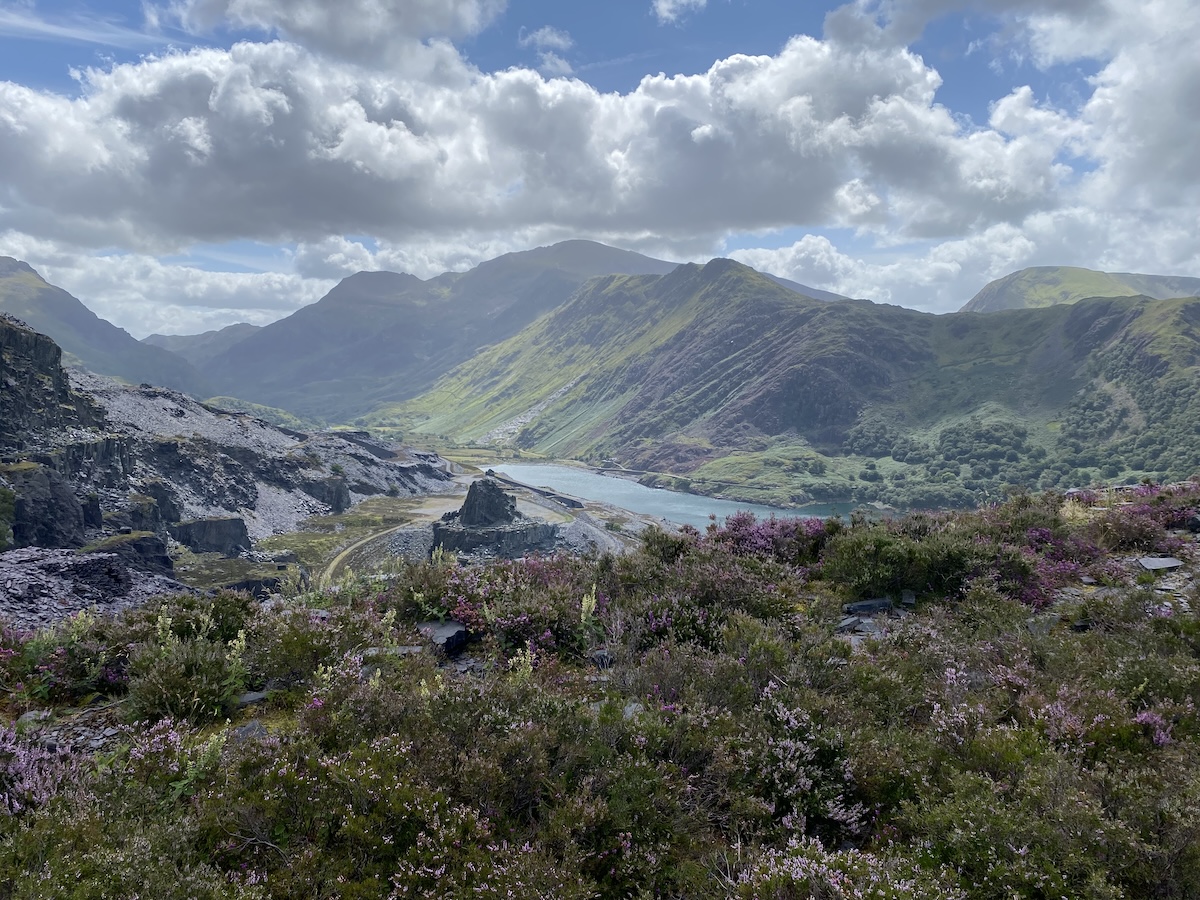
pixel 42 587
pixel 227 536
pixel 487 505
pixel 847 625
pixel 868 607
pixel 602 658
pixel 633 709
pixel 1160 564
pixel 450 636
pixel 908 598
pixel 32 719
pixel 47 512
pixel 142 550
pixel 253 730
pixel 251 698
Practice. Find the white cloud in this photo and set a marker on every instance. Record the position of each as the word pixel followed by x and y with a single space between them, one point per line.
pixel 268 142
pixel 442 165
pixel 668 11
pixel 550 42
pixel 546 38
pixel 356 30
pixel 145 295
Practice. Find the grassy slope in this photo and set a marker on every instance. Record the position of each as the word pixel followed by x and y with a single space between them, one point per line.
pixel 717 374
pixel 379 337
pixel 1042 286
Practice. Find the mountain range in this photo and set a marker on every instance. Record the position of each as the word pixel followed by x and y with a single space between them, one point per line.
pixel 719 378
pixel 735 386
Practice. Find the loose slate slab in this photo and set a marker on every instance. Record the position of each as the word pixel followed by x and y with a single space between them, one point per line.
pixel 847 624
pixel 1160 564
pixel 451 636
pixel 867 607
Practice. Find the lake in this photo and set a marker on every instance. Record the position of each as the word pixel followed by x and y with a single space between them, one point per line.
pixel 682 509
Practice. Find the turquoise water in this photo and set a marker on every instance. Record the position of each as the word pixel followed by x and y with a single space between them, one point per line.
pixel 682 509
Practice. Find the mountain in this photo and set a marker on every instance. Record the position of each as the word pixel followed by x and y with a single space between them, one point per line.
pixel 814 293
pixel 733 385
pixel 88 340
pixel 380 336
pixel 1047 285
pixel 199 349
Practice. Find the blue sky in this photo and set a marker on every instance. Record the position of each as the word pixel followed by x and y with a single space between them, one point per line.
pixel 182 165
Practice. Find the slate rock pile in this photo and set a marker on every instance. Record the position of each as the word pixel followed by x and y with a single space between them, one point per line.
pixel 39 588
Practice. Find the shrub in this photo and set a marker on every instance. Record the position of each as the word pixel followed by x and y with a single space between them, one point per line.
pixel 196 679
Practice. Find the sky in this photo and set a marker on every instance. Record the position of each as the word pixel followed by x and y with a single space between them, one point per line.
pixel 181 165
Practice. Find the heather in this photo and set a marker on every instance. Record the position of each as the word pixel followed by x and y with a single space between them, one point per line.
pixel 692 719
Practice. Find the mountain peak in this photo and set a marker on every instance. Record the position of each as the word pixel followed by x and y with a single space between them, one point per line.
pixel 10 267
pixel 1039 286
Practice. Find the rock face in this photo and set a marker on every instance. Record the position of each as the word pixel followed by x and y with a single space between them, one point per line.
pixel 46 512
pixel 489 525
pixel 225 536
pixel 87 461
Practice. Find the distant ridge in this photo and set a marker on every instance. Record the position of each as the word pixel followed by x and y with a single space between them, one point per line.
pixel 87 339
pixel 199 349
pixel 1041 286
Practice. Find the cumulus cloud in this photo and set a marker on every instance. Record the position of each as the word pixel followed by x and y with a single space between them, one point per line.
pixel 295 141
pixel 356 30
pixel 269 142
pixel 667 11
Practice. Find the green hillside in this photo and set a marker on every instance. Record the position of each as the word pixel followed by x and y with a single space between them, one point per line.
pixel 86 339
pixel 1049 285
pixel 379 337
pixel 728 384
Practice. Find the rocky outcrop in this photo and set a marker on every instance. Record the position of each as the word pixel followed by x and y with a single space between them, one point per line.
pixel 488 524
pixel 46 511
pixel 225 536
pixel 332 491
pixel 41 587
pixel 141 550
pixel 34 391
pixel 487 505
pixel 85 460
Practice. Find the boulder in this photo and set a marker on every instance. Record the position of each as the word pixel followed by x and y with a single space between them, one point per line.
pixel 227 536
pixel 450 636
pixel 488 523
